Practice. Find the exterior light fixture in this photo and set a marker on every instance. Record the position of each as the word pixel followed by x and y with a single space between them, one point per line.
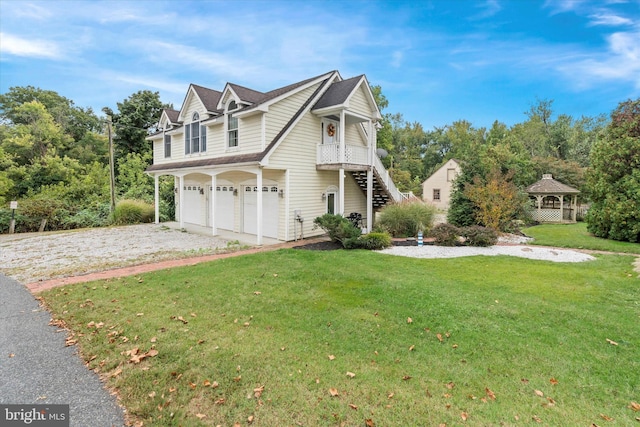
pixel 324 196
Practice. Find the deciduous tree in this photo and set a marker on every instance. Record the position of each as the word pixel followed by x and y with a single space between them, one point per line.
pixel 614 179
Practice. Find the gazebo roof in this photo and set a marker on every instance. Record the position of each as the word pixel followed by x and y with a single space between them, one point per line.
pixel 548 185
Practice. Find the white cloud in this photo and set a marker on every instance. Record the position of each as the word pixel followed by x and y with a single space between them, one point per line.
pixel 608 19
pixel 489 9
pixel 620 62
pixel 36 48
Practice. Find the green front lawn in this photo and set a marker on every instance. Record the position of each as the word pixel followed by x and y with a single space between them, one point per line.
pixel 341 338
pixel 576 236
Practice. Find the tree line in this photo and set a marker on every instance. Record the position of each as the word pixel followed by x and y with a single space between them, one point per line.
pixel 54 159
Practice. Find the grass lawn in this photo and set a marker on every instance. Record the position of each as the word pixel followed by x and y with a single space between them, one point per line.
pixel 355 338
pixel 576 236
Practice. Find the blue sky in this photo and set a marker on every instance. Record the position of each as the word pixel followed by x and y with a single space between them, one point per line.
pixel 437 61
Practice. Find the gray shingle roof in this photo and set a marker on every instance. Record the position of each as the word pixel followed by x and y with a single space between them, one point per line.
pixel 246 94
pixel 209 97
pixel 548 185
pixel 337 93
pixel 172 115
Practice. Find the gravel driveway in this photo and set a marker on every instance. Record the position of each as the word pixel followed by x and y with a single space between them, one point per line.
pixel 38 256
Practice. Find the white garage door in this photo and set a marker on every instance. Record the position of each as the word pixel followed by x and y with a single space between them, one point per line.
pixel 193 213
pixel 224 207
pixel 269 210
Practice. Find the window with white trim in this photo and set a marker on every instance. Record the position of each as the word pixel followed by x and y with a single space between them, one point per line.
pixel 167 145
pixel 195 136
pixel 232 126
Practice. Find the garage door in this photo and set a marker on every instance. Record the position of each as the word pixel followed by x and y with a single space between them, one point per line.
pixel 269 209
pixel 224 207
pixel 193 213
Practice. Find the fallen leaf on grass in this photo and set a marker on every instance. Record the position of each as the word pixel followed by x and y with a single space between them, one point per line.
pixel 331 357
pixel 257 293
pixel 116 373
pixel 172 389
pixel 250 419
pixel 409 320
pixel 153 339
pixel 352 406
pixel 152 394
pixel 369 422
pixel 491 395
pixel 220 401
pixel 539 393
pixel 605 417
pixel 553 381
pixel 450 385
pixel 464 416
pixel 257 392
pixel 412 347
pixel 635 406
pixel 351 374
pixel 536 419
pixel 139 314
pixel 333 392
pixel 406 377
pixel 439 336
pixel 611 342
pixel 201 416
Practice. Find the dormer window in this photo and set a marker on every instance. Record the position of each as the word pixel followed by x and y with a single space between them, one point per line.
pixel 195 136
pixel 232 126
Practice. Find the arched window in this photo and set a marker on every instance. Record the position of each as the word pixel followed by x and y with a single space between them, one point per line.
pixel 195 135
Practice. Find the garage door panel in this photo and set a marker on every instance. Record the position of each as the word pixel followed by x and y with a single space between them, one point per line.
pixel 270 207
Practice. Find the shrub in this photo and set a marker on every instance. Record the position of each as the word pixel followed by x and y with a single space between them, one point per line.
pixel 371 241
pixel 476 235
pixel 406 219
pixel 132 212
pixel 337 227
pixel 445 234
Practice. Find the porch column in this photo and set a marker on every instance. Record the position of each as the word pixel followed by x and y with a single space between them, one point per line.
pixel 574 206
pixel 372 152
pixel 539 200
pixel 259 207
pixel 214 229
pixel 181 207
pixel 561 208
pixel 369 199
pixel 156 197
pixel 286 205
pixel 342 134
pixel 341 191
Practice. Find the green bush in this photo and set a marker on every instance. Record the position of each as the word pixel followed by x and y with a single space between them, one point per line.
pixel 406 219
pixel 371 241
pixel 338 228
pixel 445 234
pixel 132 212
pixel 477 235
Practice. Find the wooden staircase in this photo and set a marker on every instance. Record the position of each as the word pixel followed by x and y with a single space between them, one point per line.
pixel 381 195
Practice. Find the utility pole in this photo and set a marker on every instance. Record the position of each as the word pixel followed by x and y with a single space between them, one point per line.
pixel 111 166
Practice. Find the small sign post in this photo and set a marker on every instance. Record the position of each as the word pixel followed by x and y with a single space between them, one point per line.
pixel 13 205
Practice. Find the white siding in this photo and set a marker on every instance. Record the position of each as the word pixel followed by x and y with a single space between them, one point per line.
pixel 281 112
pixel 249 133
pixel 439 181
pixel 358 102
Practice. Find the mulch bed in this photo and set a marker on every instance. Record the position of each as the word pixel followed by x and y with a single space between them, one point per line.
pixel 331 246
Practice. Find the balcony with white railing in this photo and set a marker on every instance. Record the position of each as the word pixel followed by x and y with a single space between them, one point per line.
pixel 355 155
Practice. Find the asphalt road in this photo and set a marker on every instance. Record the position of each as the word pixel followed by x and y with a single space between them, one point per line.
pixel 37 368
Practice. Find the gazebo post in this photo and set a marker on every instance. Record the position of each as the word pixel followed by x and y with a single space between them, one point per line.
pixel 561 208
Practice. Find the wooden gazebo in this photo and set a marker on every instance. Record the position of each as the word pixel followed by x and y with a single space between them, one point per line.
pixel 554 201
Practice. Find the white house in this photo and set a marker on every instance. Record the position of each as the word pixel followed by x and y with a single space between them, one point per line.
pixel 438 187
pixel 268 163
